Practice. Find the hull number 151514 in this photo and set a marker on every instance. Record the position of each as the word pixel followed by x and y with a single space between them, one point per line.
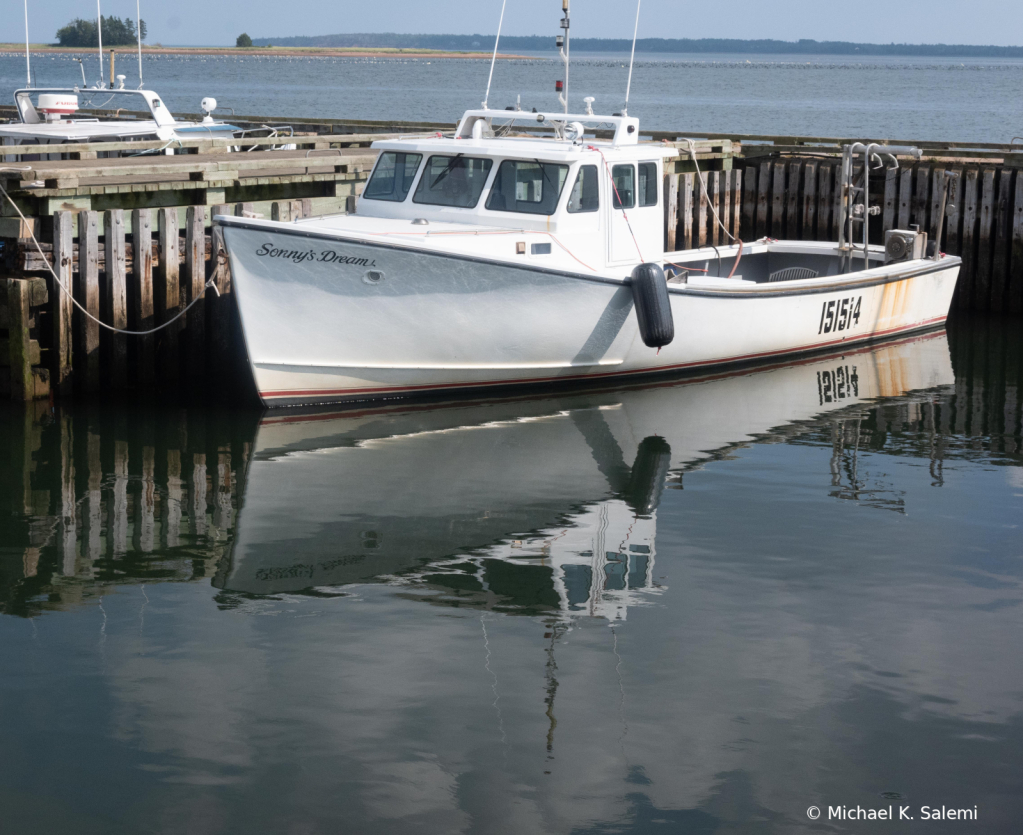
pixel 839 314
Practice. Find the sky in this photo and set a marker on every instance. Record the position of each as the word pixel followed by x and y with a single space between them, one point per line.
pixel 200 22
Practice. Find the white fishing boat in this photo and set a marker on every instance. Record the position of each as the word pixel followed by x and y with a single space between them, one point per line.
pixel 49 116
pixel 490 259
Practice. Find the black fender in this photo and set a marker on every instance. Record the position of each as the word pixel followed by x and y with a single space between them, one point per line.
pixel 653 307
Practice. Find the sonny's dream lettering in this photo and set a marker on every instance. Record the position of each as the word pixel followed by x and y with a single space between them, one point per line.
pixel 326 256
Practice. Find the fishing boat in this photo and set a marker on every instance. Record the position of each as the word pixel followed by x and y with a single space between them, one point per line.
pixel 49 116
pixel 109 114
pixel 528 249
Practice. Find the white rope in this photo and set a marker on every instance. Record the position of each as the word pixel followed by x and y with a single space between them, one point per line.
pixel 74 301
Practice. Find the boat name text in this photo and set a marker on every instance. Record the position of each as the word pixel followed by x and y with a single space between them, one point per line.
pixel 326 256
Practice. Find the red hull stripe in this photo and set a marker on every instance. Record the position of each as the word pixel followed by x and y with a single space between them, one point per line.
pixel 288 393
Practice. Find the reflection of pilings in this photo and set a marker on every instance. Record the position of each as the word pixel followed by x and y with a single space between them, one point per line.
pixel 92 490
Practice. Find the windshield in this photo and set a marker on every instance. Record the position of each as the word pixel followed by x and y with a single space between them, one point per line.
pixel 453 181
pixel 393 176
pixel 532 187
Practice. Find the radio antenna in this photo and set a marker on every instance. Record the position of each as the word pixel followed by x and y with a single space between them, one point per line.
pixel 628 87
pixel 28 64
pixel 99 34
pixel 563 97
pixel 493 57
pixel 138 22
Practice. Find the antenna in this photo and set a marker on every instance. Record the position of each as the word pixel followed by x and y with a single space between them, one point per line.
pixel 28 65
pixel 493 57
pixel 628 87
pixel 99 34
pixel 138 22
pixel 563 97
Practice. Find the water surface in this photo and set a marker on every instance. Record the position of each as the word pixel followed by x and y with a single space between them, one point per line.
pixel 701 606
pixel 935 99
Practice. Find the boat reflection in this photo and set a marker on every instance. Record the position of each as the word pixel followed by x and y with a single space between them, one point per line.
pixel 531 505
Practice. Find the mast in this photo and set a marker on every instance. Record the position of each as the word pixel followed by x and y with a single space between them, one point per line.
pixel 28 64
pixel 138 23
pixel 493 57
pixel 563 48
pixel 99 34
pixel 632 59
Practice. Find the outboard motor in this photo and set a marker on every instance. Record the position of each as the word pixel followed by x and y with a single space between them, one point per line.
pixel 653 308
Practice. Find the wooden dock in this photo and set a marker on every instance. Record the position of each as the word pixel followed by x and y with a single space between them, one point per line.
pixel 133 235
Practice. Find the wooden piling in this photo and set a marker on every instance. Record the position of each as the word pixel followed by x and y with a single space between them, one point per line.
pixel 19 352
pixel 763 198
pixel 792 207
pixel 116 300
pixel 195 282
pixel 986 218
pixel 825 177
pixel 891 183
pixel 749 203
pixel 967 281
pixel 1015 302
pixel 1001 234
pixel 714 206
pixel 88 298
pixel 143 318
pixel 62 305
pixel 167 299
pixel 905 197
pixel 809 220
pixel 778 200
pixel 688 184
pixel 670 211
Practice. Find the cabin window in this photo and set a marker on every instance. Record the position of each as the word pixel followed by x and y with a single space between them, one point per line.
pixel 393 176
pixel 584 195
pixel 648 184
pixel 530 187
pixel 624 179
pixel 453 181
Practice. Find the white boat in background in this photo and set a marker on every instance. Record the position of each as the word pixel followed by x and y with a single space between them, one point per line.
pixel 532 501
pixel 51 118
pixel 496 258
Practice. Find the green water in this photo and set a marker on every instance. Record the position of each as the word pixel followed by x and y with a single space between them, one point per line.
pixel 702 606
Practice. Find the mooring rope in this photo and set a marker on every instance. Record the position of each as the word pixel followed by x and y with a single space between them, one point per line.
pixel 75 302
pixel 703 185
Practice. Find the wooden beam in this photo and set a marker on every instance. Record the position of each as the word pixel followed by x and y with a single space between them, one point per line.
pixel 809 222
pixel 670 211
pixel 142 310
pixel 967 274
pixel 20 357
pixel 195 282
pixel 1015 305
pixel 116 300
pixel 61 357
pixel 89 299
pixel 1000 244
pixel 167 300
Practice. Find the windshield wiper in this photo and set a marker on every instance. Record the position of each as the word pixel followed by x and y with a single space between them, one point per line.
pixel 446 171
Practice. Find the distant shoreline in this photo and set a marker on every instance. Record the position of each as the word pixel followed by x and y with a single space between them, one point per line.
pixel 303 51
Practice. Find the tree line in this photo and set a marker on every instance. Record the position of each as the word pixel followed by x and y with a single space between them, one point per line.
pixel 545 43
pixel 116 32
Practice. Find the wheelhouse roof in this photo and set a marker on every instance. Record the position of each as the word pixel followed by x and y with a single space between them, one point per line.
pixel 562 145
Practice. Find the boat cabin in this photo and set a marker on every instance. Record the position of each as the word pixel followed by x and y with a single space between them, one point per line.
pixel 598 199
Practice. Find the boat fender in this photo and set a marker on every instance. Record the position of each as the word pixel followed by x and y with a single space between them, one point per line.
pixel 653 308
pixel 649 474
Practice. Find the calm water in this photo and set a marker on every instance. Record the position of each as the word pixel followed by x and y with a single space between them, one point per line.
pixel 696 607
pixel 909 98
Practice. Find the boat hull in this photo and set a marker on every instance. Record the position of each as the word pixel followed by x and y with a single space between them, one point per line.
pixel 329 319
